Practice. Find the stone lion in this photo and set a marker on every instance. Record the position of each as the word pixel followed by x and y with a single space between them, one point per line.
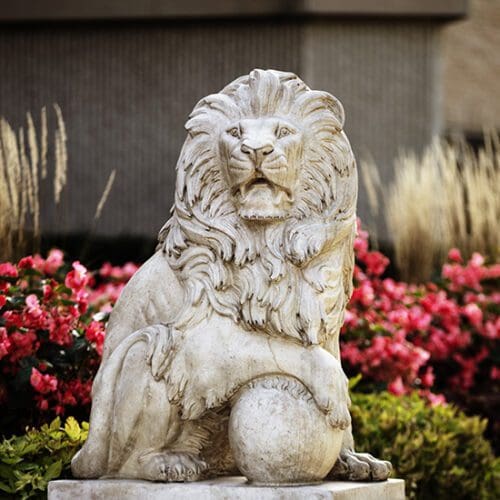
pixel 251 277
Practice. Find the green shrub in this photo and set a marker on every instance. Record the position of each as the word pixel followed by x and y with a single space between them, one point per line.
pixel 439 451
pixel 30 461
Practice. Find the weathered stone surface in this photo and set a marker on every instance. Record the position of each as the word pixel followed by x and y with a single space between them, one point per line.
pixel 231 488
pixel 278 434
pixel 241 306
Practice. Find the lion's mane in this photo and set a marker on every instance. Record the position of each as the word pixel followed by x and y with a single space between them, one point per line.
pixel 241 269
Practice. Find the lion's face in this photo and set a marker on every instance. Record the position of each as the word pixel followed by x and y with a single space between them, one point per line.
pixel 261 159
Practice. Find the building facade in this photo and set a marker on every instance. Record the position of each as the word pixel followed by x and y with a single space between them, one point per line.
pixel 127 74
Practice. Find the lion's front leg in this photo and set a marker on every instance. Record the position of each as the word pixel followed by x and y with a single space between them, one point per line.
pixel 218 357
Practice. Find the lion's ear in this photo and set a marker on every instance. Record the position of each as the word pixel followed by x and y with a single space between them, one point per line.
pixel 337 109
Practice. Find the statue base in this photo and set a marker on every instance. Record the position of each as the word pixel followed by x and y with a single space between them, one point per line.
pixel 236 488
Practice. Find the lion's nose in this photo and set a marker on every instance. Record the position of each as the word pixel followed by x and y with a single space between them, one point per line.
pixel 256 151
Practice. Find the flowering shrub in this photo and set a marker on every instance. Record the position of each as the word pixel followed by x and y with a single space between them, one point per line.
pixel 437 338
pixel 52 319
pixel 440 339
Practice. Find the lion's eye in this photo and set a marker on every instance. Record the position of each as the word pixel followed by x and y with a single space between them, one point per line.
pixel 235 132
pixel 283 132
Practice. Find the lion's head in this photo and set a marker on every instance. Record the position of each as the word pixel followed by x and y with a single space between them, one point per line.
pixel 262 157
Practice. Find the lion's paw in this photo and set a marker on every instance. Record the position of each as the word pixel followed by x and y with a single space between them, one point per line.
pixel 305 242
pixel 352 466
pixel 170 467
pixel 339 417
pixel 329 386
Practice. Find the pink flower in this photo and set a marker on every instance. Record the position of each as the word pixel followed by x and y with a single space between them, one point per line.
pixel 8 270
pixel 473 314
pixel 68 398
pixel 23 345
pixel 477 260
pixel 105 294
pixel 77 278
pixel 13 319
pixel 419 319
pixel 60 328
pixel 397 387
pixel 42 404
pixel 351 353
pixel 492 272
pixel 34 315
pixel 5 343
pixel 375 263
pixel 428 377
pixel 48 292
pixel 81 298
pixel 82 390
pixel 42 383
pixel 94 333
pixel 491 329
pixel 118 273
pixel 395 291
pixel 364 293
pixel 434 399
pixel 454 255
pixel 26 262
pixel 54 261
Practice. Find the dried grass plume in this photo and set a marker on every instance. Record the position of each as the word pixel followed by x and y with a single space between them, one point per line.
pixel 446 198
pixel 23 163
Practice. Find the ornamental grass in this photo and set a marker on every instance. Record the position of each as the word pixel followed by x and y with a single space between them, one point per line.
pixel 446 198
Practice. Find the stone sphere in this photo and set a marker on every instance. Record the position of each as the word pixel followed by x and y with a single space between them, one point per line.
pixel 279 436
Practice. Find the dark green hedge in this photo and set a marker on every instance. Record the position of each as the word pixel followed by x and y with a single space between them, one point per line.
pixel 440 452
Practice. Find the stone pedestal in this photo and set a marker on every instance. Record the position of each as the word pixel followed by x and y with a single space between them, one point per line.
pixel 234 488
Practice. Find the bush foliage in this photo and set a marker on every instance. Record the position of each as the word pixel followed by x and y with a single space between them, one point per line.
pixel 30 461
pixel 440 339
pixel 437 450
pixel 52 320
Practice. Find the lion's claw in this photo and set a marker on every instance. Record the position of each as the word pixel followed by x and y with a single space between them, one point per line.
pixel 172 467
pixel 305 243
pixel 339 417
pixel 352 466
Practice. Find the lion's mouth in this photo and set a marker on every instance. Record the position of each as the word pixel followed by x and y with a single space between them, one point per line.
pixel 264 183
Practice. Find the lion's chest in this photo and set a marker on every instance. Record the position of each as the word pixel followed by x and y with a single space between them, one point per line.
pixel 295 303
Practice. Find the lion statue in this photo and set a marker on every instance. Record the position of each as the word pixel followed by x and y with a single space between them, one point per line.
pixel 251 278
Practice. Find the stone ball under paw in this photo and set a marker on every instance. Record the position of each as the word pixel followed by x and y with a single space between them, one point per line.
pixel 279 436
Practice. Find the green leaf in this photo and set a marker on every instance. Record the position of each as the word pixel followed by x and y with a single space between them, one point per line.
pixel 53 471
pixel 55 425
pixel 62 289
pixel 72 429
pixel 11 461
pixel 5 487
